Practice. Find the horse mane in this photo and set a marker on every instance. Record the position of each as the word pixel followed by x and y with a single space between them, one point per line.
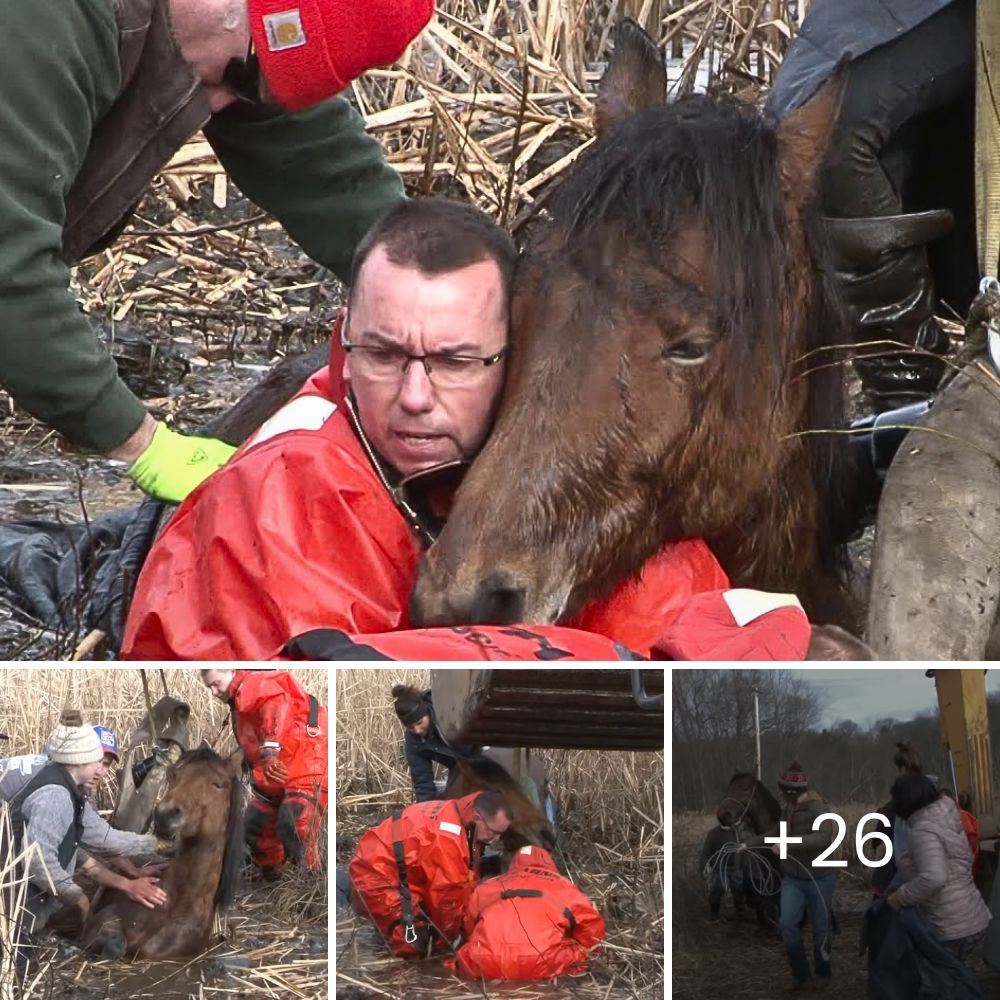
pixel 232 861
pixel 760 790
pixel 714 162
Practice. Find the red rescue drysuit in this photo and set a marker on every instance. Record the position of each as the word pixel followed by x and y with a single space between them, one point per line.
pixel 272 713
pixel 528 924
pixel 296 533
pixel 439 858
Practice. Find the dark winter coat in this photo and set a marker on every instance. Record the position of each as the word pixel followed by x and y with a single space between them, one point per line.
pixel 423 751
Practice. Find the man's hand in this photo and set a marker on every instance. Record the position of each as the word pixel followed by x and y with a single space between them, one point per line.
pixel 145 890
pixel 126 867
pixel 896 901
pixel 274 770
pixel 175 464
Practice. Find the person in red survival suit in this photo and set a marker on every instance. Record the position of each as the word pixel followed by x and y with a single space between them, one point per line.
pixel 316 523
pixel 282 731
pixel 413 874
pixel 530 923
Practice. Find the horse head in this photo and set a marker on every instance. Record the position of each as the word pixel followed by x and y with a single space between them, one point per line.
pixel 196 801
pixel 529 824
pixel 747 800
pixel 657 385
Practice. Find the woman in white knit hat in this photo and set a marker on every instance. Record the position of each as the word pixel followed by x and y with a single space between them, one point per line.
pixel 48 813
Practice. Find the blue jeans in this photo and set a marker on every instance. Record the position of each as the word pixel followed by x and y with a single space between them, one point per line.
pixel 797 896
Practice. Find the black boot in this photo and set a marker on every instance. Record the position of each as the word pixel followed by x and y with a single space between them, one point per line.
pixel 882 267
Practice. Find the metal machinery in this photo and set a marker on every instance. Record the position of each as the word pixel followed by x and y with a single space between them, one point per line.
pixel 965 733
pixel 561 707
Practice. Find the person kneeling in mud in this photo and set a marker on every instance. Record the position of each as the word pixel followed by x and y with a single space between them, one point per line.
pixel 413 874
pixel 531 923
pixel 49 821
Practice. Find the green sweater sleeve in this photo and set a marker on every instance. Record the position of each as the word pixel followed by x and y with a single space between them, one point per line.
pixel 60 72
pixel 317 171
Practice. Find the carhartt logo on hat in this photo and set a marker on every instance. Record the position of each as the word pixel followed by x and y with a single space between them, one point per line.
pixel 313 50
pixel 284 30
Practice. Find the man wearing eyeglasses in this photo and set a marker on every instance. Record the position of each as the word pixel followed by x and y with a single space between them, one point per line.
pixel 413 874
pixel 97 95
pixel 306 544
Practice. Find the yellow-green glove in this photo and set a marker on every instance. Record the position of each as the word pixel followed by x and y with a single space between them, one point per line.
pixel 174 464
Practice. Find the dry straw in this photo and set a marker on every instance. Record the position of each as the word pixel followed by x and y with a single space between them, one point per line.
pixel 277 940
pixel 612 832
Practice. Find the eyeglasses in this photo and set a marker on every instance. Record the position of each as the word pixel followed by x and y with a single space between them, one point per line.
pixel 495 833
pixel 242 77
pixel 445 371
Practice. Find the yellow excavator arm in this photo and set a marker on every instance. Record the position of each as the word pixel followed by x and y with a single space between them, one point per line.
pixel 965 732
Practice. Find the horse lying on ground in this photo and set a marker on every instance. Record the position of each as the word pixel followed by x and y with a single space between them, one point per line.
pixel 666 368
pixel 202 812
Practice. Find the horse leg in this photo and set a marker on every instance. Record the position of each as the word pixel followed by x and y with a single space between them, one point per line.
pixel 935 587
pixel 104 935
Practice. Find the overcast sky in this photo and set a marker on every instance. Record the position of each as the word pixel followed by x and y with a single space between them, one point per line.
pixel 867 694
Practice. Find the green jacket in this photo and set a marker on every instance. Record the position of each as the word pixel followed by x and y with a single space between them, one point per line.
pixel 316 171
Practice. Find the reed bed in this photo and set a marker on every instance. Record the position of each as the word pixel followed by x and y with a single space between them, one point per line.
pixel 275 939
pixel 611 834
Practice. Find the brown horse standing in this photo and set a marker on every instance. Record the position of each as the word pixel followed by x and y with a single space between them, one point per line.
pixel 662 369
pixel 202 812
pixel 528 822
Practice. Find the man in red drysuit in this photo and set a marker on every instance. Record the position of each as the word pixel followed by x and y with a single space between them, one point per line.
pixel 413 874
pixel 314 524
pixel 530 923
pixel 282 731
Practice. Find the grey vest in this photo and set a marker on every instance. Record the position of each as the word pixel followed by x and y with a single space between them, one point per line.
pixel 160 105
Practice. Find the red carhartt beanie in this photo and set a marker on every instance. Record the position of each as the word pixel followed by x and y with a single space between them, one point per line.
pixel 310 50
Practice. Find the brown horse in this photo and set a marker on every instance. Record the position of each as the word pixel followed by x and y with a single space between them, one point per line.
pixel 528 824
pixel 748 802
pixel 663 373
pixel 202 813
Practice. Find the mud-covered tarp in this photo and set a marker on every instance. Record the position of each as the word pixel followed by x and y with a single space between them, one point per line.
pixel 833 28
pixel 73 578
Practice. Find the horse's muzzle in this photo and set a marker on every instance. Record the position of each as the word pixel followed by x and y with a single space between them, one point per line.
pixel 167 821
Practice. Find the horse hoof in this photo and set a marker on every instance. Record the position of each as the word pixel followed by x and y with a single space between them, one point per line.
pixel 113 946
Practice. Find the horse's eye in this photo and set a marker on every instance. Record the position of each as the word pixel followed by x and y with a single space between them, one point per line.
pixel 218 784
pixel 693 350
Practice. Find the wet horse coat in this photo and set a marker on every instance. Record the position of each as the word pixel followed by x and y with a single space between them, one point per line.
pixel 667 368
pixel 202 812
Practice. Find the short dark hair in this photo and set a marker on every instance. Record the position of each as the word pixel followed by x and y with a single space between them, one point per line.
pixel 911 792
pixel 965 801
pixel 907 758
pixel 491 802
pixel 436 235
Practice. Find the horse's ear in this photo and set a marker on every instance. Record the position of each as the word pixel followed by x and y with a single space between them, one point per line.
pixel 234 763
pixel 804 135
pixel 636 78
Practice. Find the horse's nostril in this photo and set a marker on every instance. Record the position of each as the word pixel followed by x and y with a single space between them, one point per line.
pixel 499 601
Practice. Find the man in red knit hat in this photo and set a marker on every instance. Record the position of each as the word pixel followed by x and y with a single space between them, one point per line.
pixel 97 95
pixel 282 731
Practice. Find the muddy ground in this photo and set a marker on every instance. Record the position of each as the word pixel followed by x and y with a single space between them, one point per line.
pixel 629 966
pixel 739 960
pixel 275 943
pixel 202 317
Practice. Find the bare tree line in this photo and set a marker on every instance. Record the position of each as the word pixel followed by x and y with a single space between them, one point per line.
pixel 713 737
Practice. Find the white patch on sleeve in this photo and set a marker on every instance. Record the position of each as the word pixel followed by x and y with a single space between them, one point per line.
pixel 450 828
pixel 307 413
pixel 748 605
pixel 524 850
